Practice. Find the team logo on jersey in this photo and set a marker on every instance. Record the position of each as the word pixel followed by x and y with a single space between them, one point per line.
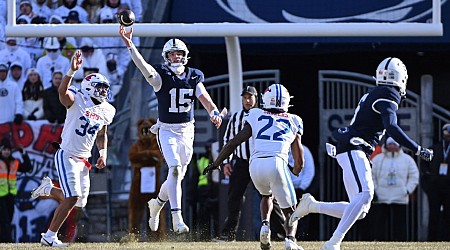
pixel 3 92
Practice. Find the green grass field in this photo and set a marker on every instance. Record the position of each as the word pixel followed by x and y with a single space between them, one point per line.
pixel 240 245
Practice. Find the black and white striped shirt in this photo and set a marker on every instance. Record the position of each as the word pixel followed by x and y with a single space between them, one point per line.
pixel 234 126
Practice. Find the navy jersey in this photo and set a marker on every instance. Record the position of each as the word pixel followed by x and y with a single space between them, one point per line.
pixel 376 112
pixel 176 96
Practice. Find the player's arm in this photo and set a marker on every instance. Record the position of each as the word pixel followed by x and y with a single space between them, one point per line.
pixel 147 70
pixel 298 154
pixel 388 113
pixel 66 95
pixel 102 145
pixel 205 99
pixel 242 136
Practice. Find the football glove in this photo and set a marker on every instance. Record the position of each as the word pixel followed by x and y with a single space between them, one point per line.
pixel 210 168
pixel 426 154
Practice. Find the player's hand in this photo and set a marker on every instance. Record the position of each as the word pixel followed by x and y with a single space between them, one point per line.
pixel 126 35
pixel 227 170
pixel 210 168
pixel 426 154
pixel 76 61
pixel 216 120
pixel 101 162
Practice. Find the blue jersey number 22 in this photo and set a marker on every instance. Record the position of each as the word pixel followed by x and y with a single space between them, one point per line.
pixel 277 135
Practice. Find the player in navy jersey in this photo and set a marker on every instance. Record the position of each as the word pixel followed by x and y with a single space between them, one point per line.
pixel 274 132
pixel 375 115
pixel 176 87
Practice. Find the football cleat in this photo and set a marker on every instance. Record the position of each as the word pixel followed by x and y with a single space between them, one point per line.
pixel 43 189
pixel 329 246
pixel 291 245
pixel 302 208
pixel 181 228
pixel 52 242
pixel 154 208
pixel 264 237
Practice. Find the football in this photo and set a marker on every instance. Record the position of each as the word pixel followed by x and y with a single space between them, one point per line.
pixel 126 18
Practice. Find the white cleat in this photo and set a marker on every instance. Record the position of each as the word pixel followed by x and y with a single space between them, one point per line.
pixel 264 237
pixel 154 208
pixel 181 228
pixel 291 245
pixel 52 242
pixel 329 246
pixel 302 208
pixel 43 189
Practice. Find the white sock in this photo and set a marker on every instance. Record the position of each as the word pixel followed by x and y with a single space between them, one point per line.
pixel 50 234
pixel 177 217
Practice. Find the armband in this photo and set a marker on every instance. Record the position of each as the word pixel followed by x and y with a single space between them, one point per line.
pixel 70 73
pixel 103 152
pixel 215 112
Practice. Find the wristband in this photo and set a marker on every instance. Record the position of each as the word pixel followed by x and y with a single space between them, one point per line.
pixel 418 150
pixel 103 152
pixel 71 73
pixel 215 112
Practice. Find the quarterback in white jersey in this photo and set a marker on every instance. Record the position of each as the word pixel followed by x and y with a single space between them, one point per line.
pixel 88 114
pixel 274 132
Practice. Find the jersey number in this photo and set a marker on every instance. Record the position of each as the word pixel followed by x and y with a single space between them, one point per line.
pixel 85 129
pixel 277 135
pixel 363 98
pixel 180 100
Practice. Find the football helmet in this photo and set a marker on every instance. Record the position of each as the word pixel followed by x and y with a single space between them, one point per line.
pixel 276 96
pixel 96 86
pixel 392 71
pixel 173 45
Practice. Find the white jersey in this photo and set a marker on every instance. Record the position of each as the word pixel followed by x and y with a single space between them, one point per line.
pixel 83 121
pixel 273 133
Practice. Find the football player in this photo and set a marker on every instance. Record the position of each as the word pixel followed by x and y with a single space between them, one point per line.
pixel 374 115
pixel 88 114
pixel 274 132
pixel 176 87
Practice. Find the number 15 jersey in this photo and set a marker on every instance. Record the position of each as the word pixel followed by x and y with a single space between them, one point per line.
pixel 83 121
pixel 272 133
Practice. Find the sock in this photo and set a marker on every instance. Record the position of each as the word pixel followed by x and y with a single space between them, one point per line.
pixel 265 222
pixel 292 238
pixel 50 234
pixel 176 216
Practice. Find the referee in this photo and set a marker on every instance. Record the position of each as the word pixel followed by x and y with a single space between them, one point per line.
pixel 238 171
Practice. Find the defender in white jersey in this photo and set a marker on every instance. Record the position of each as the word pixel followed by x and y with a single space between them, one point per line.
pixel 88 114
pixel 274 132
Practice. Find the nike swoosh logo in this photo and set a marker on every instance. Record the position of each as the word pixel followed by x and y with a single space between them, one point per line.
pixel 194 77
pixel 50 244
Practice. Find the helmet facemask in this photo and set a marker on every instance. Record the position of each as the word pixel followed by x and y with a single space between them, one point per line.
pixel 392 71
pixel 175 45
pixel 97 87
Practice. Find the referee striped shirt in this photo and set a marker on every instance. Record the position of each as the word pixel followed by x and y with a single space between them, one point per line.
pixel 234 126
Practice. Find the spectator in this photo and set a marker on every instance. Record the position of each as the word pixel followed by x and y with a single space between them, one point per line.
pixel 92 7
pixel 395 177
pixel 54 111
pixel 42 10
pixel 25 8
pixel 53 61
pixel 110 6
pixel 68 45
pixel 9 166
pixel 13 53
pixel 32 45
pixel 71 5
pixel 302 183
pixel 436 184
pixel 73 17
pixel 32 93
pixel 92 58
pixel 11 102
pixel 114 76
pixel 16 75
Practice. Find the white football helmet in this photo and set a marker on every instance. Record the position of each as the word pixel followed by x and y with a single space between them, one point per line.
pixel 276 96
pixel 96 86
pixel 392 71
pixel 173 45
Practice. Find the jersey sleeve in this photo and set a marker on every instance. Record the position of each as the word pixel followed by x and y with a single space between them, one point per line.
pixel 298 124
